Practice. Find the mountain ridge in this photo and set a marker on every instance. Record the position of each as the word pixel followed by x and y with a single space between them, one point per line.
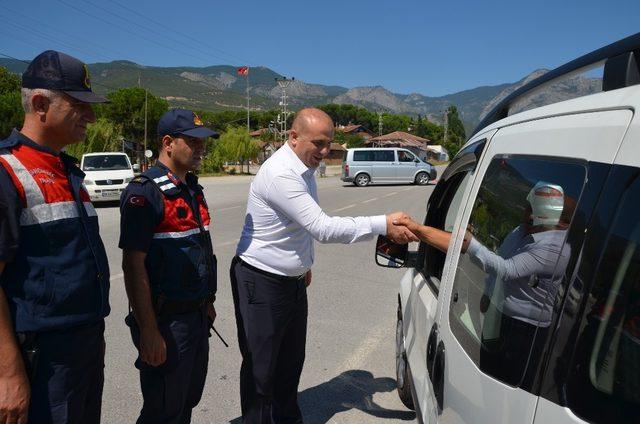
pixel 219 87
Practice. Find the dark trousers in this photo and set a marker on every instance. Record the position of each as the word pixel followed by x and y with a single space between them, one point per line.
pixel 69 375
pixel 172 389
pixel 271 315
pixel 514 357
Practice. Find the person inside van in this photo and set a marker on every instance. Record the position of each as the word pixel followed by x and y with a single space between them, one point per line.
pixel 523 274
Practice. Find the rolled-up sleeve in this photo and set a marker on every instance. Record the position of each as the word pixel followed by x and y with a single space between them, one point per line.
pixel 290 195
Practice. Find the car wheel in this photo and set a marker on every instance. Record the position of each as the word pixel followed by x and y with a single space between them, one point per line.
pixel 422 178
pixel 403 378
pixel 362 180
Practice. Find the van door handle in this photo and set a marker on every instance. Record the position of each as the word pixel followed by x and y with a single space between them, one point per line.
pixel 431 348
pixel 438 375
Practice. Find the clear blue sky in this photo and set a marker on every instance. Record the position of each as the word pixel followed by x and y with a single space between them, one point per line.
pixel 433 48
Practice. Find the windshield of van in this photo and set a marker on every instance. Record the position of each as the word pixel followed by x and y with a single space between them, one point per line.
pixel 105 162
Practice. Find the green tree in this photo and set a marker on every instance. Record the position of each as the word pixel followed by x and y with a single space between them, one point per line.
pixel 102 136
pixel 236 144
pixel 126 108
pixel 456 135
pixel 352 140
pixel 11 113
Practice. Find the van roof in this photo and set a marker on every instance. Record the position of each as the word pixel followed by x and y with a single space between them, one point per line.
pixel 104 153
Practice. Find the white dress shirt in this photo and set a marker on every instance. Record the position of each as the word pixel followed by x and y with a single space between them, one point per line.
pixel 283 217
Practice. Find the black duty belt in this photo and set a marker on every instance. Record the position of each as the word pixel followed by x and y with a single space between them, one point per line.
pixel 166 307
pixel 284 278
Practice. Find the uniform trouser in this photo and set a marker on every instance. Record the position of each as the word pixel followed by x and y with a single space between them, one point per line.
pixel 171 390
pixel 69 375
pixel 271 315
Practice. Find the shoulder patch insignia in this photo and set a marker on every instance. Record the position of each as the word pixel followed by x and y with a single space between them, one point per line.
pixel 139 180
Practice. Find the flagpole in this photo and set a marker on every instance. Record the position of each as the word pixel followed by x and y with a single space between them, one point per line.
pixel 247 76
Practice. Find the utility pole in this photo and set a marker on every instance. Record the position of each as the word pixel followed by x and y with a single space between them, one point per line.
pixel 284 114
pixel 446 125
pixel 247 76
pixel 379 123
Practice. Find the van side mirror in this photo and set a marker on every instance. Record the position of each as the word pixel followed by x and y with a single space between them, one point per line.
pixel 136 167
pixel 416 160
pixel 390 254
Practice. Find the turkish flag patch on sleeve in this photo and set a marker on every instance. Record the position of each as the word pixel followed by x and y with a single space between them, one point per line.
pixel 136 200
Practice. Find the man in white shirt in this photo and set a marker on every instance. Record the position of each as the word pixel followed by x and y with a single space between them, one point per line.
pixel 272 267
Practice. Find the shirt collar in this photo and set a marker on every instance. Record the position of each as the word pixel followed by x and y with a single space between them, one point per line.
pixel 191 178
pixel 296 164
pixel 23 139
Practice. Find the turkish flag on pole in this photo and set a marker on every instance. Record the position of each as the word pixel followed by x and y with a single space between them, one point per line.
pixel 243 71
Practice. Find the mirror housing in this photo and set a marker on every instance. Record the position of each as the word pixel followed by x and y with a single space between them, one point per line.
pixel 393 255
pixel 136 167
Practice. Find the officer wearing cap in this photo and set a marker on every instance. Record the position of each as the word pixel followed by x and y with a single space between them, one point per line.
pixel 54 275
pixel 170 271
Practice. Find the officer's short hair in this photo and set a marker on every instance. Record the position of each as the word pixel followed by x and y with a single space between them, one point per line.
pixel 28 93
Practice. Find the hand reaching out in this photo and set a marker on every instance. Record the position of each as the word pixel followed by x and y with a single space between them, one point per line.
pixel 398 233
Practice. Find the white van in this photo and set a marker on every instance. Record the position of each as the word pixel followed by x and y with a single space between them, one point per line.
pixel 387 165
pixel 532 314
pixel 107 175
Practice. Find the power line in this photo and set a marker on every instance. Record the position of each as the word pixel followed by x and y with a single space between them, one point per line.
pixel 40 23
pixel 84 12
pixel 48 37
pixel 186 36
pixel 148 29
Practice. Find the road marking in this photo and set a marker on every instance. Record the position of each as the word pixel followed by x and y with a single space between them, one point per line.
pixel 390 194
pixel 341 209
pixel 371 342
pixel 226 209
pixel 115 277
pixel 370 200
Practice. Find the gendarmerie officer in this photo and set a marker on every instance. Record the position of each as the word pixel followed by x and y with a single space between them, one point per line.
pixel 54 275
pixel 170 271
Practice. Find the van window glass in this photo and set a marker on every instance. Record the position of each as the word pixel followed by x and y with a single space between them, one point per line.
pixel 443 209
pixel 511 263
pixel 604 378
pixel 105 162
pixel 363 155
pixel 404 156
pixel 384 155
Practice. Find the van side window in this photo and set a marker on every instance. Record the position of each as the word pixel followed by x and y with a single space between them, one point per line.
pixel 446 204
pixel 374 155
pixel 404 156
pixel 604 377
pixel 512 262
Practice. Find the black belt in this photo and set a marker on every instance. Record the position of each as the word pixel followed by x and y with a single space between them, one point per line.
pixel 175 307
pixel 284 278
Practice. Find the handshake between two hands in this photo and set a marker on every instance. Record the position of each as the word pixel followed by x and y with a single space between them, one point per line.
pixel 401 228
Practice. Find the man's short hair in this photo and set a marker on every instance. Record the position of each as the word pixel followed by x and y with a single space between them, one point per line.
pixel 28 93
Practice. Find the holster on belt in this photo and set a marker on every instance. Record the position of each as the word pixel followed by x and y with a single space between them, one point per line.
pixel 29 349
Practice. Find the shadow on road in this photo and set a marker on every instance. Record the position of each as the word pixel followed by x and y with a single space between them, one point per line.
pixel 352 389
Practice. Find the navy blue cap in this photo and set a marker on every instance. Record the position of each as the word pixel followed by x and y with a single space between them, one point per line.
pixel 183 121
pixel 58 71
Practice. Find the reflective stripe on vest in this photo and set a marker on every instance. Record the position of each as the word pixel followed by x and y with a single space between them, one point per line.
pixel 179 234
pixel 37 210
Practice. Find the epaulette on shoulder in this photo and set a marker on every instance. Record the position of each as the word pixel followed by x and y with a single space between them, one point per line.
pixel 140 179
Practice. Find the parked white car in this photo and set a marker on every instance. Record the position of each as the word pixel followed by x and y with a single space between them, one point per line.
pixel 532 313
pixel 107 175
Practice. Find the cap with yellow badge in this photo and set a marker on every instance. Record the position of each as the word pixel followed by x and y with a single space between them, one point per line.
pixel 185 122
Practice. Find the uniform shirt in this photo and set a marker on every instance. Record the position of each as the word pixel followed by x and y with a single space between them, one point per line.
pixel 11 205
pixel 523 259
pixel 283 218
pixel 142 211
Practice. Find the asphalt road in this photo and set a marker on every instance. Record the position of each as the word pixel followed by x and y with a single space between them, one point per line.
pixel 349 374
